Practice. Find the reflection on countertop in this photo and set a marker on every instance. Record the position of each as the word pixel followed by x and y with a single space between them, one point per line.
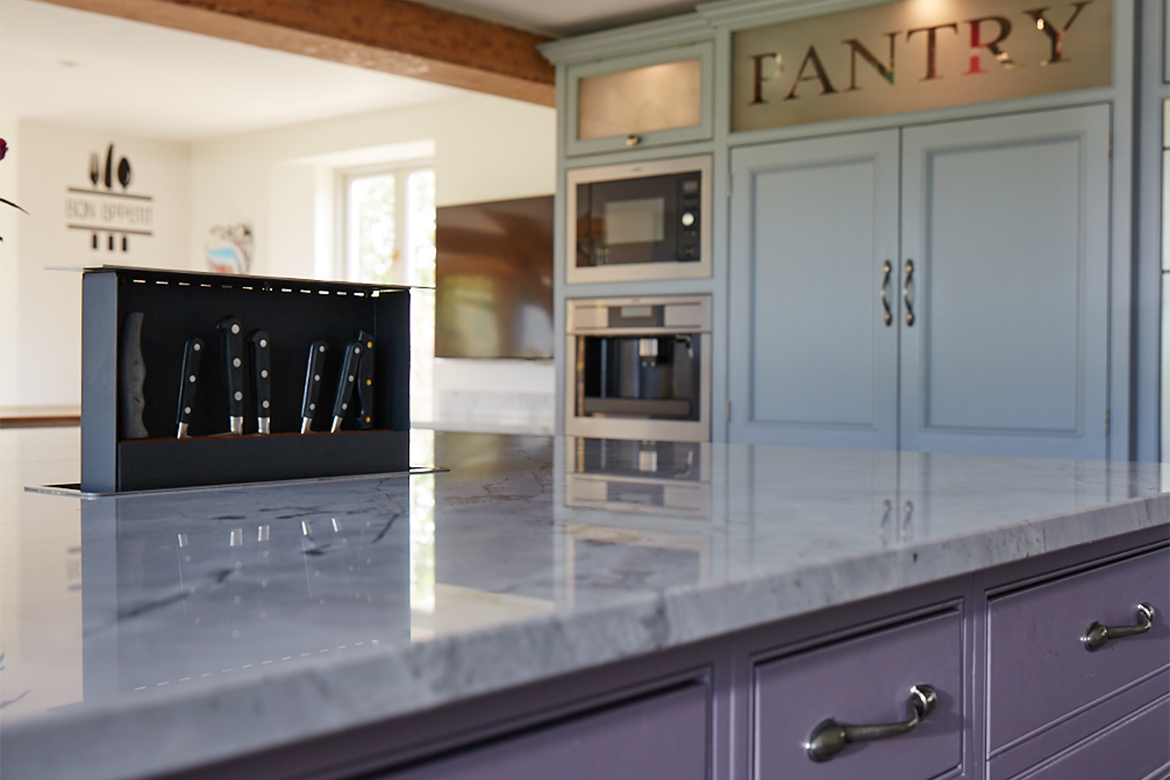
pixel 110 601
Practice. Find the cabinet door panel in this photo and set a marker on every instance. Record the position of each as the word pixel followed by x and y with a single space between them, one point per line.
pixel 1038 669
pixel 864 681
pixel 1135 747
pixel 1006 223
pixel 665 735
pixel 812 223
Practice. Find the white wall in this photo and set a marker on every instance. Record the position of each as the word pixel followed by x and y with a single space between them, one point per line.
pixel 41 335
pixel 281 181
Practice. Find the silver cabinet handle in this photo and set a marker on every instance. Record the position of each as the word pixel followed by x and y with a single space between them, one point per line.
pixel 906 292
pixel 830 737
pixel 887 269
pixel 1096 635
pixel 633 139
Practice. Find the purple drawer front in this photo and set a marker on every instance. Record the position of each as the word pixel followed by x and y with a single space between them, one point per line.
pixel 864 681
pixel 1038 668
pixel 660 736
pixel 1134 748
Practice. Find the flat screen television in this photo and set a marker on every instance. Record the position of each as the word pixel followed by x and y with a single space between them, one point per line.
pixel 494 279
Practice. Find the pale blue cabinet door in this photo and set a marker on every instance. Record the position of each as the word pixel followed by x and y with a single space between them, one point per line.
pixel 812 361
pixel 1006 222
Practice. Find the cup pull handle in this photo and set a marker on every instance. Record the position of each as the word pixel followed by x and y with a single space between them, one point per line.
pixel 830 737
pixel 906 299
pixel 1096 635
pixel 887 269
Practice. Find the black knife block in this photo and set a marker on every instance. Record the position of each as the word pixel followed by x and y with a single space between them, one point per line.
pixel 295 312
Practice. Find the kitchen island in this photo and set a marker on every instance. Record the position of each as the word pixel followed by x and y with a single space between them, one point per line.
pixel 555 607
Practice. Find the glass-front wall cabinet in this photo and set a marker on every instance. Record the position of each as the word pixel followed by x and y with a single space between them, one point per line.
pixel 648 100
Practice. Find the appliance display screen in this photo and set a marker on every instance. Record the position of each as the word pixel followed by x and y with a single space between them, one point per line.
pixel 639 221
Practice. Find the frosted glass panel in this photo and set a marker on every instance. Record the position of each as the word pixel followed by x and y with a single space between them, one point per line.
pixel 641 100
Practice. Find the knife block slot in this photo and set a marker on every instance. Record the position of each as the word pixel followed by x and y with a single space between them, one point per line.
pixel 177 306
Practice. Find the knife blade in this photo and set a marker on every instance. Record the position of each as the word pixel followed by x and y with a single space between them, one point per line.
pixel 232 335
pixel 131 378
pixel 261 381
pixel 346 382
pixel 192 352
pixel 365 383
pixel 317 352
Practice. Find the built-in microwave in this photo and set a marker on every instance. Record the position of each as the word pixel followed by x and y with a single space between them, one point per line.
pixel 646 220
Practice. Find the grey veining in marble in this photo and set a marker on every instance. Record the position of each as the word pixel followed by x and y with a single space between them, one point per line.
pixel 211 623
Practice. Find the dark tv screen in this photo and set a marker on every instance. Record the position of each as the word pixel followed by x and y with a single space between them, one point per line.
pixel 494 279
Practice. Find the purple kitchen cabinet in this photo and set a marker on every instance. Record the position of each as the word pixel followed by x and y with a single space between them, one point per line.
pixel 664 735
pixel 1136 747
pixel 1039 671
pixel 865 680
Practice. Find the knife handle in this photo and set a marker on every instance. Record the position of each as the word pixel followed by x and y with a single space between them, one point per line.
pixel 131 378
pixel 191 355
pixel 232 334
pixel 346 382
pixel 365 383
pixel 312 392
pixel 261 347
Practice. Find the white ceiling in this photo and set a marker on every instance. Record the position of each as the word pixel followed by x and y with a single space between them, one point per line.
pixel 565 17
pixel 74 67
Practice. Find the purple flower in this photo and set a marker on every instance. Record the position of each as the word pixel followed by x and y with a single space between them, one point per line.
pixel 3 148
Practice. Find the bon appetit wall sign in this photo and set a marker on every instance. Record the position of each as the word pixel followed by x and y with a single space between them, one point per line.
pixel 915 55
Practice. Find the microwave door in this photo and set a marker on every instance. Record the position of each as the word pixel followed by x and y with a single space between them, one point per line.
pixel 633 221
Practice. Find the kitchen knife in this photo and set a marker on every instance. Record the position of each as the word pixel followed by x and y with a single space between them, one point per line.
pixel 346 382
pixel 312 384
pixel 191 355
pixel 131 378
pixel 233 367
pixel 261 381
pixel 365 383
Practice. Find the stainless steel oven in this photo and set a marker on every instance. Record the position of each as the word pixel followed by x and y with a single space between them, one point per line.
pixel 646 220
pixel 639 368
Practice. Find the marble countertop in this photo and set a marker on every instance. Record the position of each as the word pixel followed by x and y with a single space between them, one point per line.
pixel 153 632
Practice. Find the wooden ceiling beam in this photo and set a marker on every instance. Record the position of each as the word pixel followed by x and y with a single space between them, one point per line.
pixel 395 36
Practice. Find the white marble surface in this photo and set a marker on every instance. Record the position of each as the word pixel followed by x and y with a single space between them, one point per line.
pixel 160 631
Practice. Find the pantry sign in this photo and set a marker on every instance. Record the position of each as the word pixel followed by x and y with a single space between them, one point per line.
pixel 915 55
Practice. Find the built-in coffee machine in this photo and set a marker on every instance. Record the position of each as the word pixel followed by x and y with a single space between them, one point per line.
pixel 638 368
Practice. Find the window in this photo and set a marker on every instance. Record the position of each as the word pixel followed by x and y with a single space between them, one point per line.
pixel 388 237
pixel 390 225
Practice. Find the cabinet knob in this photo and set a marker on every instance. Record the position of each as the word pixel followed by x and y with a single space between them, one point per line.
pixel 830 737
pixel 1096 635
pixel 633 139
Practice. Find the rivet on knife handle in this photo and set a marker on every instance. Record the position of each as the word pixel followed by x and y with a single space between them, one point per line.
pixel 365 383
pixel 316 362
pixel 188 382
pixel 345 383
pixel 233 354
pixel 261 381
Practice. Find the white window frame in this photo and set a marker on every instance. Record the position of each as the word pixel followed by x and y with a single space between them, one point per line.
pixel 401 171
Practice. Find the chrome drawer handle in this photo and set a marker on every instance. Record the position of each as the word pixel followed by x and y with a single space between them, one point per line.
pixel 1097 635
pixel 830 737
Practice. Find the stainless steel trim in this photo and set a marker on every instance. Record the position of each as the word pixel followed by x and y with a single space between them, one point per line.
pixel 829 737
pixel 1097 635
